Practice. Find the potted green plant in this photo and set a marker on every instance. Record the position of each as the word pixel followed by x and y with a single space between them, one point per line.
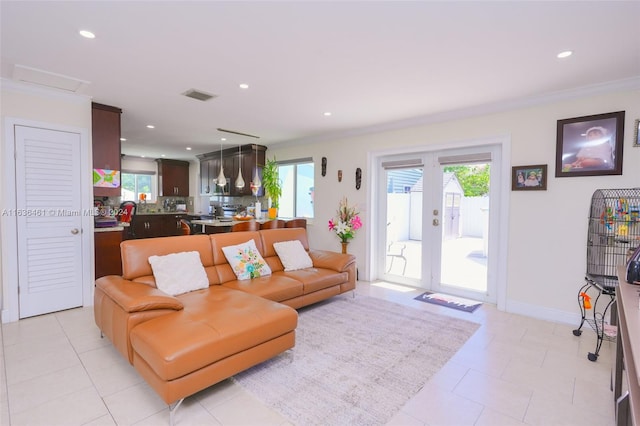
pixel 272 187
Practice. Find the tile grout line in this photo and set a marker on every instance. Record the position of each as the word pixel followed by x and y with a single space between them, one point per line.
pixel 84 367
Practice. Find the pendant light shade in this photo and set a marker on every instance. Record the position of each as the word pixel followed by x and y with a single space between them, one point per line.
pixel 222 181
pixel 256 183
pixel 239 180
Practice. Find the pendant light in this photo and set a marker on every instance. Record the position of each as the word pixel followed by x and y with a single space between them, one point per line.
pixel 256 183
pixel 239 180
pixel 222 181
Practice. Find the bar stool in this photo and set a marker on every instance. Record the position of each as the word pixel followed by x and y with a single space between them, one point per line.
pixel 250 225
pixel 296 223
pixel 271 224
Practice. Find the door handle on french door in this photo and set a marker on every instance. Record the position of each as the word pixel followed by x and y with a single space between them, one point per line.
pixel 74 231
pixel 436 222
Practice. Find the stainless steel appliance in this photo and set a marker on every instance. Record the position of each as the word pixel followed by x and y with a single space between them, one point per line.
pixel 227 210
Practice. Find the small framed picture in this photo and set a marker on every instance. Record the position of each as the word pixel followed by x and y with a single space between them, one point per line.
pixel 590 146
pixel 529 178
pixel 636 136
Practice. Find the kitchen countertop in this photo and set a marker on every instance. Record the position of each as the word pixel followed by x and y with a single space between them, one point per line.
pixel 139 213
pixel 214 222
pixel 120 227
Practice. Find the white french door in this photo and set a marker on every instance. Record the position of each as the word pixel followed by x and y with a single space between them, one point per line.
pixel 460 243
pixel 48 220
pixel 437 238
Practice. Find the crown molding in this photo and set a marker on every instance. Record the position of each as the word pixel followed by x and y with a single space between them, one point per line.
pixel 632 83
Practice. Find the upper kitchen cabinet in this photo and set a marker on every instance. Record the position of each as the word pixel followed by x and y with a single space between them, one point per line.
pixel 249 156
pixel 105 133
pixel 173 178
pixel 206 177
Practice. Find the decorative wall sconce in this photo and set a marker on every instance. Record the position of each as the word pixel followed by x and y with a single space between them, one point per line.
pixel 339 175
pixel 358 177
pixel 324 166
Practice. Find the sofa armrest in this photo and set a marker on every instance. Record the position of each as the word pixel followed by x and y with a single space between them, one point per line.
pixel 331 260
pixel 136 297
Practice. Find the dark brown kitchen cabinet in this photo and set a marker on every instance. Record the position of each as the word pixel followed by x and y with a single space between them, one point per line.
pixel 156 225
pixel 247 156
pixel 230 173
pixel 173 178
pixel 248 162
pixel 105 135
pixel 147 226
pixel 206 177
pixel 107 253
pixel 173 224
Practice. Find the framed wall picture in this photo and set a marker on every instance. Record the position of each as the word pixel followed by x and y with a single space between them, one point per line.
pixel 590 145
pixel 636 136
pixel 529 178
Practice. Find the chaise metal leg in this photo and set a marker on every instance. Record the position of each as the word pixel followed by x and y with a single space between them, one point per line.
pixel 172 411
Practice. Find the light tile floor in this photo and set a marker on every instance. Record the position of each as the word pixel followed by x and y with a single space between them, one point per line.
pixel 514 370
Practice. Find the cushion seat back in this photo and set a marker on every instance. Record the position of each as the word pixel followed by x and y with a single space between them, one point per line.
pixel 218 241
pixel 278 235
pixel 135 255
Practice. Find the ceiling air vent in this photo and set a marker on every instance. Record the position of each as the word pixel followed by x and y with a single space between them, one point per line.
pixel 198 94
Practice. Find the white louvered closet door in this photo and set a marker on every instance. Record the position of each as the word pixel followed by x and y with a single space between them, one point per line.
pixel 49 222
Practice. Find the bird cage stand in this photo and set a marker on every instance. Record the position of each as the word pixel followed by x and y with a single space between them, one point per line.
pixel 594 289
pixel 613 234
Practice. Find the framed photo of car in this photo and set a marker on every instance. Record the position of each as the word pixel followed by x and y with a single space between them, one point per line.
pixel 590 145
pixel 529 178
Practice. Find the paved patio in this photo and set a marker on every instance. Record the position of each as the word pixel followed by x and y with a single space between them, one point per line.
pixel 463 262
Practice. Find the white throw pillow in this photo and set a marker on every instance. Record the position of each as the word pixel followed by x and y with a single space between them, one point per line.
pixel 246 261
pixel 179 273
pixel 293 255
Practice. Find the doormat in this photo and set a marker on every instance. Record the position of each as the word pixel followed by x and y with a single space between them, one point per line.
pixel 452 302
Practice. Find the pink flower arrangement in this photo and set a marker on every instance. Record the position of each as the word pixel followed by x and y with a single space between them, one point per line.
pixel 347 223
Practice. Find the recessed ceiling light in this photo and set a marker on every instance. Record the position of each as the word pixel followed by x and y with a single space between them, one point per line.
pixel 565 54
pixel 327 114
pixel 162 155
pixel 150 126
pixel 244 86
pixel 223 139
pixel 143 156
pixel 87 34
pixel 188 148
pixel 123 139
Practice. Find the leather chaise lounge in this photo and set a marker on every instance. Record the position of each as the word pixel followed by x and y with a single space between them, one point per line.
pixel 185 343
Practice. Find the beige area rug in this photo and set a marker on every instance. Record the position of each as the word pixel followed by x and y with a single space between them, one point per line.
pixel 357 361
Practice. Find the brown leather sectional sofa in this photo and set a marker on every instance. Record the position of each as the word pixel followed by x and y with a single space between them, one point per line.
pixel 183 344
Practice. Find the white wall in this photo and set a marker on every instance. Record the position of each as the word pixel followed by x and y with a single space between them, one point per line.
pixel 31 103
pixel 546 258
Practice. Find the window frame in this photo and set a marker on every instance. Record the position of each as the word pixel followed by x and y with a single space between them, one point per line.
pixel 295 163
pixel 136 174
